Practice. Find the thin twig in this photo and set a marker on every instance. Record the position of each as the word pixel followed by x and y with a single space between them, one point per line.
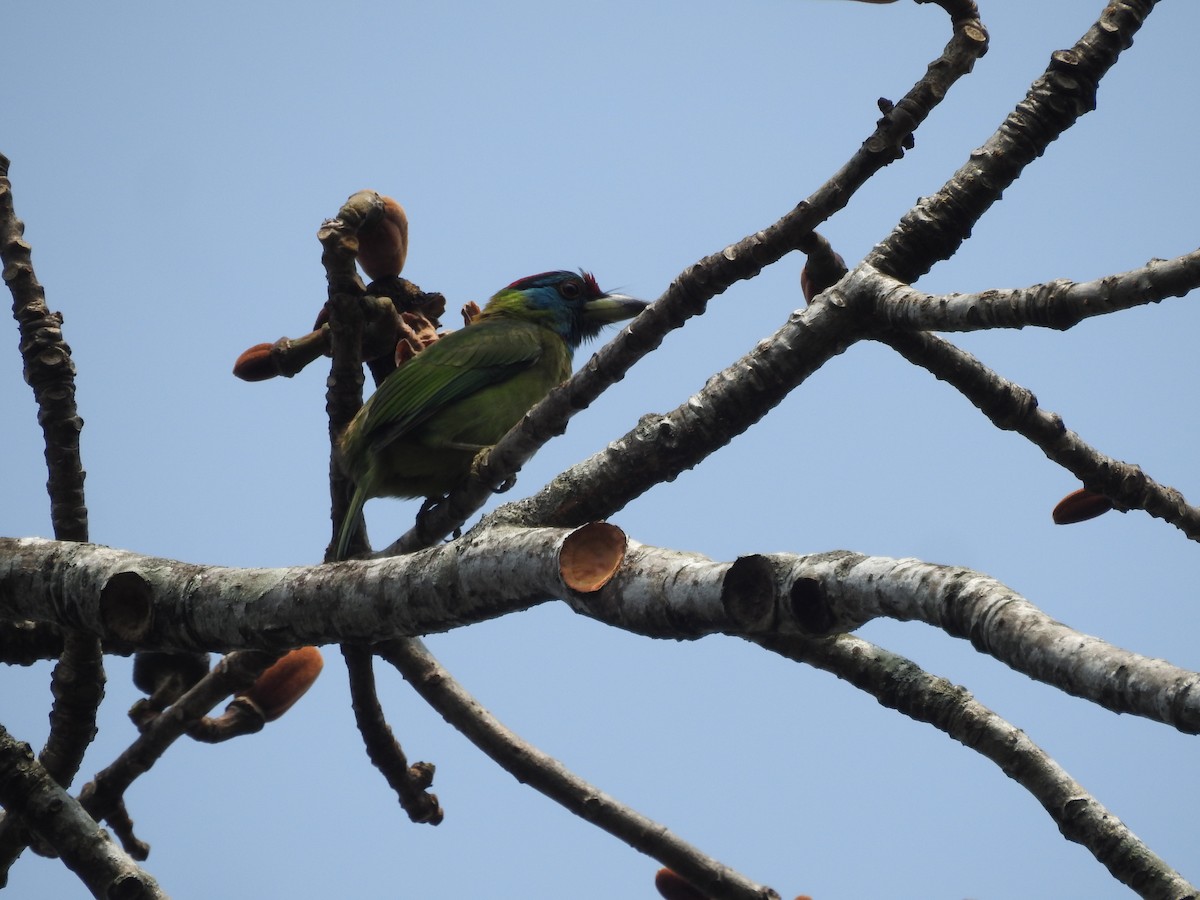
pixel 411 783
pixel 104 794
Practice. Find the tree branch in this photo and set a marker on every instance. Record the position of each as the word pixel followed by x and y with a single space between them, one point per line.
pixel 900 684
pixel 1060 304
pixel 825 591
pixel 660 447
pixel 493 570
pixel 935 228
pixel 27 789
pixel 1014 408
pixel 411 783
pixel 689 293
pixel 77 683
pixel 103 796
pixel 49 370
pixel 531 766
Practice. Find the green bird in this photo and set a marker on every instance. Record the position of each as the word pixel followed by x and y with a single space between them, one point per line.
pixel 421 430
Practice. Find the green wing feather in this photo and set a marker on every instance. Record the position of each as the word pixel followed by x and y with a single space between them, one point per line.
pixel 455 367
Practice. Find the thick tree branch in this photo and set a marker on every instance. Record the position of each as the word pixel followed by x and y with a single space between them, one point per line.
pixel 180 606
pixel 825 591
pixel 900 684
pixel 531 766
pixel 663 446
pixel 28 790
pixel 664 593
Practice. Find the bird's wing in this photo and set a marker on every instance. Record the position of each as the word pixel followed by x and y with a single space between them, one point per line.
pixel 455 367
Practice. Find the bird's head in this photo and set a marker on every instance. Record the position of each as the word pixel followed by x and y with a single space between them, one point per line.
pixel 570 303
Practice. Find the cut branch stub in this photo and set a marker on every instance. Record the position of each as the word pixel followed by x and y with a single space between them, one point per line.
pixel 768 592
pixel 591 555
pixel 809 607
pixel 748 592
pixel 127 606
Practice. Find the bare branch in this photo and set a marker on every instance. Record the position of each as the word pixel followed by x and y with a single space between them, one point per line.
pixel 28 790
pixel 531 766
pixel 664 593
pixel 900 684
pixel 213 608
pixel 662 446
pixel 78 680
pixel 103 796
pixel 411 783
pixel 1014 408
pixel 828 590
pixel 49 370
pixel 934 229
pixel 689 293
pixel 1060 304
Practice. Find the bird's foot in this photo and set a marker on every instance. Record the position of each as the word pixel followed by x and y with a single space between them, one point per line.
pixel 479 462
pixel 478 467
pixel 428 504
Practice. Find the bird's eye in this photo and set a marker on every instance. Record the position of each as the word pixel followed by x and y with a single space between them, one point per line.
pixel 569 290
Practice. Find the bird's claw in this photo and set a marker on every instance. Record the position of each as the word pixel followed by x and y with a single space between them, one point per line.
pixel 479 463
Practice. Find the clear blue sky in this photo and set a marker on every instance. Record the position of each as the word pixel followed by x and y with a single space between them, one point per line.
pixel 173 162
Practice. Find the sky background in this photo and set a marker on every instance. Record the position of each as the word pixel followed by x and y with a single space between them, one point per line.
pixel 173 163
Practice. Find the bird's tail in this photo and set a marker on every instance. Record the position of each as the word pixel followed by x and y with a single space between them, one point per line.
pixel 350 523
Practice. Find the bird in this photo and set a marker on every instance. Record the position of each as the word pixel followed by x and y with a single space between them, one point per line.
pixel 420 432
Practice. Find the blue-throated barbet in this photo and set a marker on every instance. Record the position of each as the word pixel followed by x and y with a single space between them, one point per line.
pixel 419 433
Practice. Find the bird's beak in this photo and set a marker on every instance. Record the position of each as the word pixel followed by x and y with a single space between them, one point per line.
pixel 612 308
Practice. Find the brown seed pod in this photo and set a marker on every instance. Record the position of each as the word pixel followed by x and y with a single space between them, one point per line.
pixel 255 364
pixel 383 245
pixel 285 682
pixel 1079 506
pixel 673 887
